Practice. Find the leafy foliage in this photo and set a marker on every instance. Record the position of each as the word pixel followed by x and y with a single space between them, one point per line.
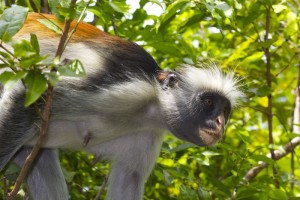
pixel 231 33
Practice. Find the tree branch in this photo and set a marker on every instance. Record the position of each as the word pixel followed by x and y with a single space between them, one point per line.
pixel 295 125
pixel 101 189
pixel 33 6
pixel 45 120
pixel 278 154
pixel 269 83
pixel 42 135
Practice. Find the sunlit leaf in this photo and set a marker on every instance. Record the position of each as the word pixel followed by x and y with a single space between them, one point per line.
pixel 171 12
pixel 12 20
pixel 10 79
pixel 34 43
pixel 23 49
pixel 51 24
pixel 73 68
pixel 167 48
pixel 36 85
pixel 262 158
pixel 119 6
pixel 263 91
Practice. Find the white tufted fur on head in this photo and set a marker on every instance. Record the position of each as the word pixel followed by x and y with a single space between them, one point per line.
pixel 211 79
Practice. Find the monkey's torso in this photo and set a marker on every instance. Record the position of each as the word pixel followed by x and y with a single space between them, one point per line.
pixel 111 100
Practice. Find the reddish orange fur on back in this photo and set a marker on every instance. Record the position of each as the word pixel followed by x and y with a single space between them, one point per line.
pixel 84 32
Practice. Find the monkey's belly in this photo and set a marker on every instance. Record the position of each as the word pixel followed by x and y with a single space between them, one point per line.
pixel 61 134
pixel 82 132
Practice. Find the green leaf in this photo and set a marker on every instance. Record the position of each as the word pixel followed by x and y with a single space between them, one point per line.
pixel 7 57
pixel 28 62
pixel 119 6
pixel 262 158
pixel 181 147
pixel 195 19
pixel 245 136
pixel 53 78
pixel 159 174
pixel 263 91
pixel 11 80
pixel 69 175
pixel 210 153
pixel 277 194
pixel 144 2
pixel 12 20
pixel 167 177
pixel 5 76
pixel 172 10
pixel 34 43
pixel 23 49
pixel 36 84
pixel 67 12
pixel 51 24
pixel 279 8
pixel 28 52
pixel 74 69
pixel 3 28
pixel 246 193
pixel 267 43
pixel 12 171
pixel 167 162
pixel 203 194
pixel 168 48
pixel 54 4
pixel 203 161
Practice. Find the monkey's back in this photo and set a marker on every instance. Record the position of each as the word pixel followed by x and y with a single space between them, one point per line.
pixel 107 58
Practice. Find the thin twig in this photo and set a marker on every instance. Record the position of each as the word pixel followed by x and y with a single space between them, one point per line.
pixel 113 21
pixel 96 159
pixel 77 23
pixel 278 154
pixel 287 66
pixel 63 39
pixel 4 61
pixel 31 157
pixel 7 51
pixel 33 6
pixel 102 188
pixel 45 6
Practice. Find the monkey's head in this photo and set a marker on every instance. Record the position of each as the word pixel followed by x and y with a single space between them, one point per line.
pixel 196 103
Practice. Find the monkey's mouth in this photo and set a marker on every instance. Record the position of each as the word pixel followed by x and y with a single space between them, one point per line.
pixel 209 136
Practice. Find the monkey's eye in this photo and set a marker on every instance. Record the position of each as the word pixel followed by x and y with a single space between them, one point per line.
pixel 209 101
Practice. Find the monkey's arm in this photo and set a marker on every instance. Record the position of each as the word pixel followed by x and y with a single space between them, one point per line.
pixel 133 157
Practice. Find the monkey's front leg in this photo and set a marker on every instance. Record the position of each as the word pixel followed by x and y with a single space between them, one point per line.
pixel 125 183
pixel 45 181
pixel 133 159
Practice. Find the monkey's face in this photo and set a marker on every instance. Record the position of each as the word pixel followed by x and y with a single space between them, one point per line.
pixel 201 118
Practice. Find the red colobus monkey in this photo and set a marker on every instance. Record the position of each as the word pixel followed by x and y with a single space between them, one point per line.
pixel 123 105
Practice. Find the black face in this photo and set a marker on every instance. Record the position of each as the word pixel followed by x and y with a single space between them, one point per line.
pixel 203 119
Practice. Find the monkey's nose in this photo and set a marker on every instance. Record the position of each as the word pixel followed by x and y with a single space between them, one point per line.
pixel 220 120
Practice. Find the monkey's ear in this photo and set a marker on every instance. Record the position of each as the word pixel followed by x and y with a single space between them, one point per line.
pixel 166 79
